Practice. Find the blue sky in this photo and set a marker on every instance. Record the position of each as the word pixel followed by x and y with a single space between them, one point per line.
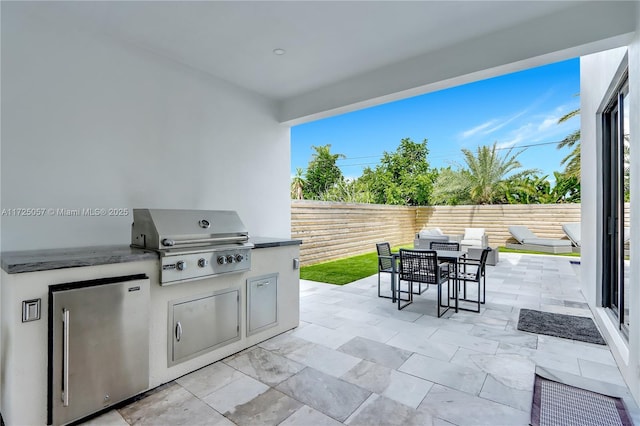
pixel 513 110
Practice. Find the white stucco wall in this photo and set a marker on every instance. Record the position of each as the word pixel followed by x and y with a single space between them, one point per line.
pixel 596 74
pixel 90 123
pixel 599 75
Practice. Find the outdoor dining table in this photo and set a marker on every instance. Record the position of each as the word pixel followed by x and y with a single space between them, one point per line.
pixel 450 256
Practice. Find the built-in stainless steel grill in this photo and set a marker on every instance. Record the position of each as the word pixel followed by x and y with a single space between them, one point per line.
pixel 193 244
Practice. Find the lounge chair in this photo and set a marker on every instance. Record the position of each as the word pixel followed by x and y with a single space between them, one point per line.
pixel 573 233
pixel 527 240
pixel 572 230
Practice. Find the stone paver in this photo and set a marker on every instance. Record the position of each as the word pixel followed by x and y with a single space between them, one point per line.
pixel 355 359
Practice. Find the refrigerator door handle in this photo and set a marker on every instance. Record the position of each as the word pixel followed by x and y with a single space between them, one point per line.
pixel 178 331
pixel 65 358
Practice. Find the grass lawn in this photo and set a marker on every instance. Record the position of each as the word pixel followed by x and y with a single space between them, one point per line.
pixel 349 269
pixel 343 271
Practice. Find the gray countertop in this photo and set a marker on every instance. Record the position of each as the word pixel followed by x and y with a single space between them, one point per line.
pixel 14 262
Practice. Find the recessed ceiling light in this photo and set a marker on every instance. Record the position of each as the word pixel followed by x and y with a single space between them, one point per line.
pixel 279 52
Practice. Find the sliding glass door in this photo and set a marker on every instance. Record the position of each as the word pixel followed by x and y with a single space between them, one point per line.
pixel 617 195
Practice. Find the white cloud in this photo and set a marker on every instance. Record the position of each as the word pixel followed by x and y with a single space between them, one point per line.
pixel 541 128
pixel 491 126
pixel 522 128
pixel 507 121
pixel 477 129
pixel 507 145
pixel 547 123
pixel 517 136
pixel 551 120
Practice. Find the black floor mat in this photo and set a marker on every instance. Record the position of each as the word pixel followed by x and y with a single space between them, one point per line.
pixel 560 325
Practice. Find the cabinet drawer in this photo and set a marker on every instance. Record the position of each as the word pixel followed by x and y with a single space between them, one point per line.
pixel 262 303
pixel 199 325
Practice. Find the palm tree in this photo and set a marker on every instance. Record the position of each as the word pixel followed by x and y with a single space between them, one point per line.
pixel 297 184
pixel 485 180
pixel 488 173
pixel 572 160
pixel 530 189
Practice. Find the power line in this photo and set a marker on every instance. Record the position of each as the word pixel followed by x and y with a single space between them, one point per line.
pixel 358 158
pixel 530 145
pixel 358 164
pixel 439 155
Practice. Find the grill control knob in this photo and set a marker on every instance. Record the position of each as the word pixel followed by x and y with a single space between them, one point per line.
pixel 230 258
pixel 222 260
pixel 181 265
pixel 202 262
pixel 239 258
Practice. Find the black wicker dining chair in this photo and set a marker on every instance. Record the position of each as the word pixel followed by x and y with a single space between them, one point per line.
pixel 448 246
pixel 441 245
pixel 420 266
pixel 385 264
pixel 473 271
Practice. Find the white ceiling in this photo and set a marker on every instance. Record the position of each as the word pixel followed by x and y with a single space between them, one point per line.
pixel 325 41
pixel 328 43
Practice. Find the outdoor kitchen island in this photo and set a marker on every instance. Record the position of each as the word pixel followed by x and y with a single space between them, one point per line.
pixel 243 309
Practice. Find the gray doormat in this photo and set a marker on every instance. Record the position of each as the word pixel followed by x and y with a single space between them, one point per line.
pixel 560 325
pixel 559 404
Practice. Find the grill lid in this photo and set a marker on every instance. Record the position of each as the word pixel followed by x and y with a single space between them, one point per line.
pixel 164 229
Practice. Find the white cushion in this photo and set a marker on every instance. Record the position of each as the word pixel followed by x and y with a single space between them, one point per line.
pixel 547 242
pixel 473 234
pixel 573 232
pixel 426 233
pixel 473 243
pixel 521 233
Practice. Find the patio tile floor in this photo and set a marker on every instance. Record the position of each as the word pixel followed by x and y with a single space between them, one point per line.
pixel 357 360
